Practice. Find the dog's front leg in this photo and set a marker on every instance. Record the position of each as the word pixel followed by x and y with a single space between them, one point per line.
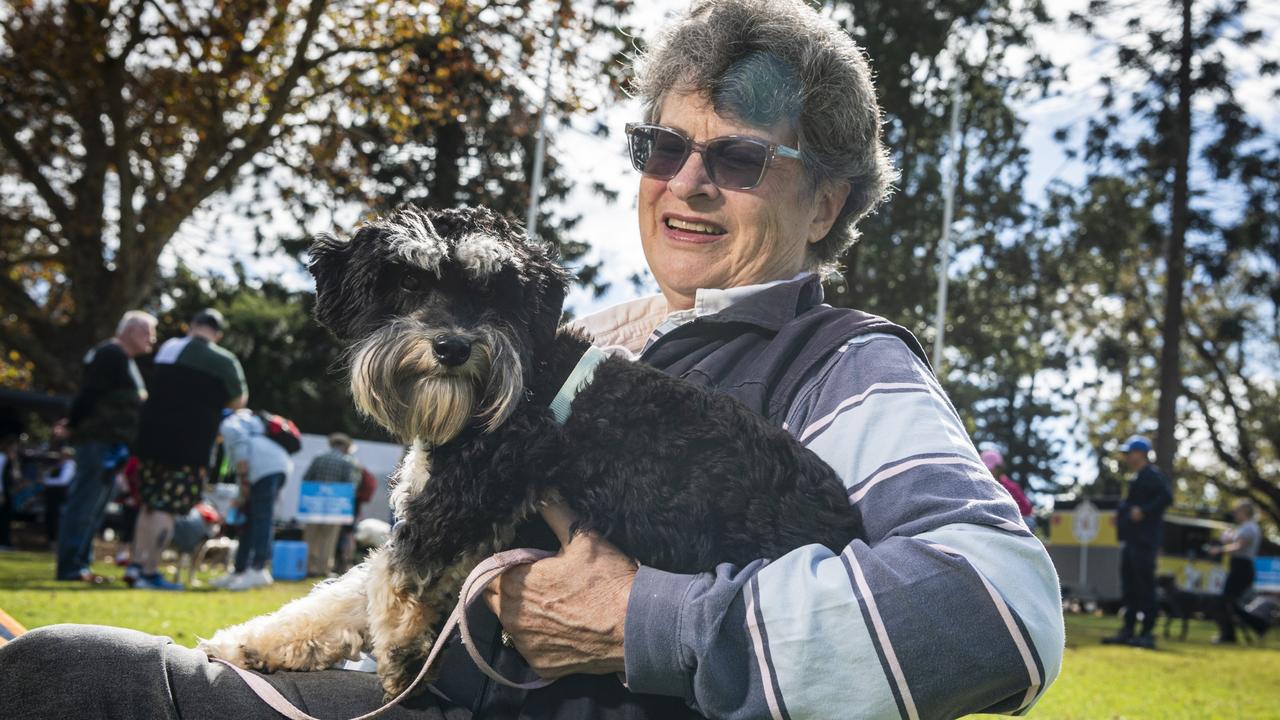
pixel 405 612
pixel 310 633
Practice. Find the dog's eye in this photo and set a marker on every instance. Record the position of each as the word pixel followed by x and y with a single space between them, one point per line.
pixel 411 283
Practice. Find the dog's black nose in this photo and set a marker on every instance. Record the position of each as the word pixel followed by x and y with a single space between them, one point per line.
pixel 451 350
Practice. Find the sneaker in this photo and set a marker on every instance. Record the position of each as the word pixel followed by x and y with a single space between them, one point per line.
pixel 131 574
pixel 225 580
pixel 155 582
pixel 251 579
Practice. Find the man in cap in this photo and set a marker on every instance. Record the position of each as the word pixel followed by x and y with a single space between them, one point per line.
pixel 1139 524
pixel 193 380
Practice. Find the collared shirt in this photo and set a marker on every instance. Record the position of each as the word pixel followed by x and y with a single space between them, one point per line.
pixel 333 466
pixel 629 328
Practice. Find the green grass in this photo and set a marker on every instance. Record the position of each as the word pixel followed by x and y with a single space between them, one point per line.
pixel 29 593
pixel 1192 679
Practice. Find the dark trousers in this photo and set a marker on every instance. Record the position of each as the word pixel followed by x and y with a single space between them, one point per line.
pixel 1138 586
pixel 255 542
pixel 54 497
pixel 107 673
pixel 1239 580
pixel 83 511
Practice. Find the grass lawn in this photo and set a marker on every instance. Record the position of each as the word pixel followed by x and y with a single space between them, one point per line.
pixel 1192 679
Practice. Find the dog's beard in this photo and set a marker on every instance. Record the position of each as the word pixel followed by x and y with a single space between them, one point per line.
pixel 397 380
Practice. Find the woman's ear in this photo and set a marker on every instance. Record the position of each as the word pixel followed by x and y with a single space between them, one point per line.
pixel 827 206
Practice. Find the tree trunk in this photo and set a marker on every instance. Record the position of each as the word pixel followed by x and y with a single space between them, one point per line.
pixel 1175 258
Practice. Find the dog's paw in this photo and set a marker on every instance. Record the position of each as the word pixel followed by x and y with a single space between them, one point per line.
pixel 401 667
pixel 221 647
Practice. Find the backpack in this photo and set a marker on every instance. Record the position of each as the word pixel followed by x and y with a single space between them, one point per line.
pixel 281 431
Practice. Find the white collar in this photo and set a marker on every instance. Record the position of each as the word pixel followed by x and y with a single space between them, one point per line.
pixel 625 328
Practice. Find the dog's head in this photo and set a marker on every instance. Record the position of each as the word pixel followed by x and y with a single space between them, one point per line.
pixel 444 313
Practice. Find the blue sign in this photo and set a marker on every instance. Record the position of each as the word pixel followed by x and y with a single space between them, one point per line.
pixel 327 503
pixel 1268 573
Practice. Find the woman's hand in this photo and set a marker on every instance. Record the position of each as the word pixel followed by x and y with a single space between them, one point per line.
pixel 566 614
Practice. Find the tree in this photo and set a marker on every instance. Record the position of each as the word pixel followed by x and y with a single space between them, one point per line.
pixel 119 120
pixel 1164 68
pixel 1123 223
pixel 998 364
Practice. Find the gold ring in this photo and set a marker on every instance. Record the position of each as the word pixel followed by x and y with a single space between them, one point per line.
pixel 506 639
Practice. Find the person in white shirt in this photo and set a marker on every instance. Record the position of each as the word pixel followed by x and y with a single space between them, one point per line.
pixel 56 483
pixel 261 466
pixel 1241 543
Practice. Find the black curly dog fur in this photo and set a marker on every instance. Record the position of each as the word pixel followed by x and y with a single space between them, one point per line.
pixel 678 477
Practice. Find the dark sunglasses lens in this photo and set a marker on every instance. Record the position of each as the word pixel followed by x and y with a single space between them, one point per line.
pixel 657 152
pixel 736 163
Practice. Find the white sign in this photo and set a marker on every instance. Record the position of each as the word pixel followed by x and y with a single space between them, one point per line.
pixel 1084 525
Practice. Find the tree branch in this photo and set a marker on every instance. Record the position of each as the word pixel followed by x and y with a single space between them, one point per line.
pixel 32 174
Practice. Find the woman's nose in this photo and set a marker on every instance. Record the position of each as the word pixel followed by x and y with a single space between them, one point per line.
pixel 692 180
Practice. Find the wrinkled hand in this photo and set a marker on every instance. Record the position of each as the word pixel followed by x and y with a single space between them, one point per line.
pixel 1135 514
pixel 566 614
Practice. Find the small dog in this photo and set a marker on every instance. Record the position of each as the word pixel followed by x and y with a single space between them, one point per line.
pixel 452 320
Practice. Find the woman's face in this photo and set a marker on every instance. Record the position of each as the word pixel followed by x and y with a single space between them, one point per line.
pixel 696 235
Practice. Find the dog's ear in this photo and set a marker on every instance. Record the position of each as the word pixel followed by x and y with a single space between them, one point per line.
pixel 339 288
pixel 553 284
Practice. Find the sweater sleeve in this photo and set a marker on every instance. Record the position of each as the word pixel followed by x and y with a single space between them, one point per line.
pixel 948 606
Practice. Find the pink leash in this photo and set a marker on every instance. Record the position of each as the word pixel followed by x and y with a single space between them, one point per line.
pixel 483 574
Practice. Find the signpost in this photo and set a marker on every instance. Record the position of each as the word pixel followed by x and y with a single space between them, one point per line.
pixel 1084 525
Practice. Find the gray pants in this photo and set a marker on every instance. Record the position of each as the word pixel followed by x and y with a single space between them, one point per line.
pixel 87 671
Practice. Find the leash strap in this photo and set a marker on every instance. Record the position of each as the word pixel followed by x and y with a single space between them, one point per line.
pixel 581 375
pixel 483 574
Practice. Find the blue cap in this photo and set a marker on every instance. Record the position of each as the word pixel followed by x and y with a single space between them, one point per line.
pixel 1136 442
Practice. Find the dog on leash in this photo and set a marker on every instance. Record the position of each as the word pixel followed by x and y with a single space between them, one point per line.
pixel 452 321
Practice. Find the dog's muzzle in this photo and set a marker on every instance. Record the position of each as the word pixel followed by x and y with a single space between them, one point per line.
pixel 429 383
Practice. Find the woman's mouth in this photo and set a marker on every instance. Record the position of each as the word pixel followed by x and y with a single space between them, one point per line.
pixel 693 230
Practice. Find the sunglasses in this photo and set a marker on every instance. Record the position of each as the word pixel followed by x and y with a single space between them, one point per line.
pixel 733 162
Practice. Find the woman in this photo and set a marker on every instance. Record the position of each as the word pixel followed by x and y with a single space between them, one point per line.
pixel 760 151
pixel 1241 543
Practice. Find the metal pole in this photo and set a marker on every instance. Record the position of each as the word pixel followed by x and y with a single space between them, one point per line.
pixel 948 208
pixel 539 152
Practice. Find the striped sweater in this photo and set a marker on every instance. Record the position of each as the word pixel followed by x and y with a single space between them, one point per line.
pixel 949 607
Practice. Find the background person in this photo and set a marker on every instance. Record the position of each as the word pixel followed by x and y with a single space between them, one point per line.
pixel 994 461
pixel 193 379
pixel 1140 527
pixel 1241 543
pixel 335 465
pixel 56 483
pixel 261 466
pixel 103 422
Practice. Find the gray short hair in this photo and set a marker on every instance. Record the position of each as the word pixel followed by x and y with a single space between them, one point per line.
pixel 135 317
pixel 765 61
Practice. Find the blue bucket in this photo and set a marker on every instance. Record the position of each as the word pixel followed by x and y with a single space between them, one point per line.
pixel 289 560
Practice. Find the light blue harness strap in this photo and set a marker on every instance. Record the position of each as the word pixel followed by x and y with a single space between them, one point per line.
pixel 581 375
